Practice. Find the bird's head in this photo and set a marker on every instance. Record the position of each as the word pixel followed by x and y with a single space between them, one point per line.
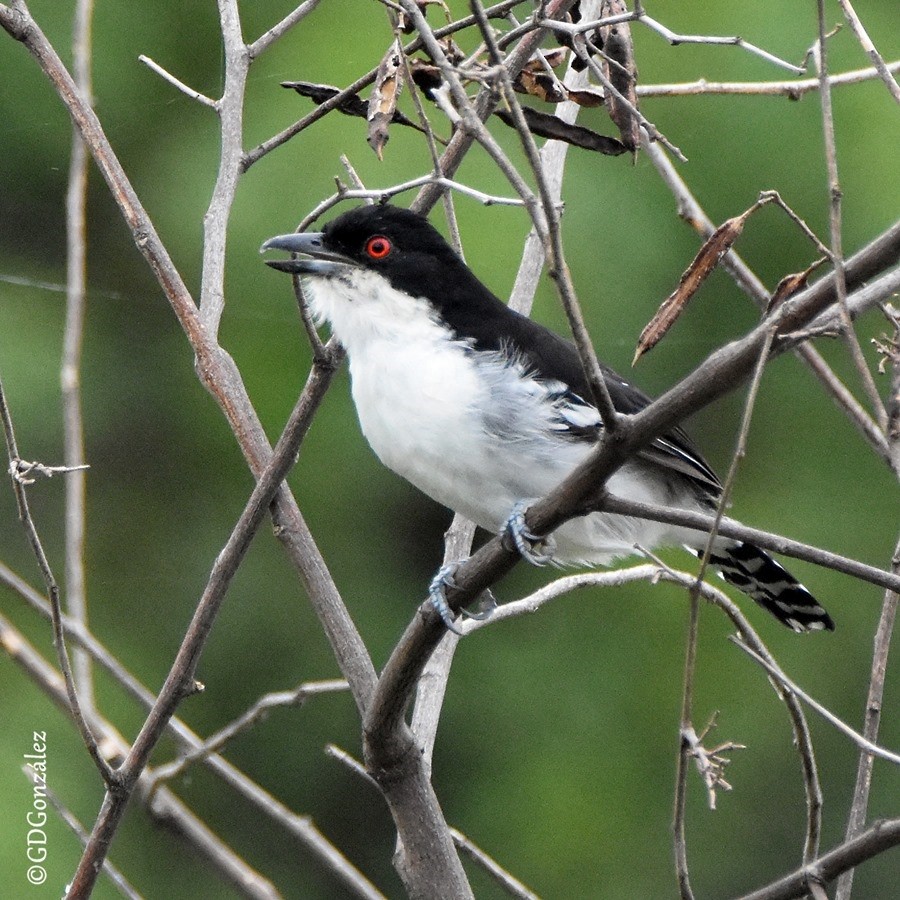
pixel 395 243
pixel 385 270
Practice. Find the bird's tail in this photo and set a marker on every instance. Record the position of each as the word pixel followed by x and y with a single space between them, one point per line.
pixel 754 572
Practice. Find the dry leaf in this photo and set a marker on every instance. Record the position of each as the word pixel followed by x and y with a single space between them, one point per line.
pixel 383 102
pixel 619 67
pixel 353 105
pixel 589 98
pixel 790 284
pixel 539 83
pixel 548 126
pixel 718 244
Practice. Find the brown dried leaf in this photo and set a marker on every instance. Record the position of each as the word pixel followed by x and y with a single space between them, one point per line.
pixel 718 244
pixel 589 98
pixel 383 102
pixel 548 126
pixel 538 83
pixel 619 67
pixel 790 285
pixel 352 105
pixel 553 58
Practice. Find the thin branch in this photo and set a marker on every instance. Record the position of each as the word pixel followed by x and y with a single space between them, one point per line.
pixel 78 714
pixel 674 38
pixel 794 90
pixel 688 743
pixel 70 368
pixel 861 742
pixel 685 729
pixel 835 222
pixel 509 883
pixel 765 539
pixel 231 134
pixel 871 722
pixel 245 721
pixel 878 837
pixel 264 41
pixel 176 83
pixel 866 42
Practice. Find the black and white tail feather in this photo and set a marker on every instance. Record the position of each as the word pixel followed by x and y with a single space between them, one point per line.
pixel 753 572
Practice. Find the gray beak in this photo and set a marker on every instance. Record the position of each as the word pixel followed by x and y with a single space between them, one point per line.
pixel 311 244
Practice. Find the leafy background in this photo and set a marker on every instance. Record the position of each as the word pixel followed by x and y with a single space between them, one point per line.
pixel 559 734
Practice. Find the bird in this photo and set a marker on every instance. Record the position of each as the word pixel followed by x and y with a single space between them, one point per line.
pixel 485 410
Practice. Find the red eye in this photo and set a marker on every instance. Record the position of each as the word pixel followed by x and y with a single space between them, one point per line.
pixel 378 247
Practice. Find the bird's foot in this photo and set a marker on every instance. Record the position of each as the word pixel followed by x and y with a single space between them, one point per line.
pixel 437 593
pixel 525 541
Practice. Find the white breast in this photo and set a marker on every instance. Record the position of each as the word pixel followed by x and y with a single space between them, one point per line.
pixel 468 429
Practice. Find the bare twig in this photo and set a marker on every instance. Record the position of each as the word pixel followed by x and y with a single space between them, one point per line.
pixel 765 539
pixel 878 837
pixel 90 741
pixel 70 369
pixel 689 745
pixel 264 41
pixel 501 876
pixel 866 42
pixel 176 83
pixel 675 39
pixel 258 711
pixel 794 90
pixel 862 742
pixel 835 223
pixel 871 722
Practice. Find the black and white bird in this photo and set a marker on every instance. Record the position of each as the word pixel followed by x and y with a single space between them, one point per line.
pixel 485 410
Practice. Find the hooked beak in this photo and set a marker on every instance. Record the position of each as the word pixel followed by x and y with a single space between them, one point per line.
pixel 310 243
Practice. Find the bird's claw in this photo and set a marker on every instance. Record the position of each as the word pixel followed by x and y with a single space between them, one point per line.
pixel 437 593
pixel 525 541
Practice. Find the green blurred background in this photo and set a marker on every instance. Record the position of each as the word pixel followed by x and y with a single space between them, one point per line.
pixel 559 733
